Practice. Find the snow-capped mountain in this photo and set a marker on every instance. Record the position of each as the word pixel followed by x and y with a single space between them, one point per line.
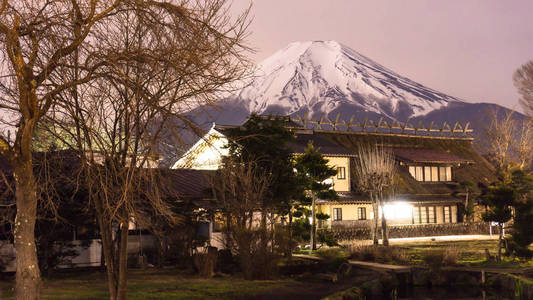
pixel 321 77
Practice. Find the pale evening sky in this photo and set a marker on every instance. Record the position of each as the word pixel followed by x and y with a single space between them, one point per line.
pixel 465 48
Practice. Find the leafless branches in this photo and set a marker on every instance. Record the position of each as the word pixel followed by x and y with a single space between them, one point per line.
pixel 523 147
pixel 240 190
pixel 375 170
pixel 500 136
pixel 105 77
pixel 37 39
pixel 523 80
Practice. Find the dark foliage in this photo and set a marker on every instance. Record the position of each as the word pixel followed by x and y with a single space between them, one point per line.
pixel 522 229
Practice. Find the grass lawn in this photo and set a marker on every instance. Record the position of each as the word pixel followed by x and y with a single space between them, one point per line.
pixel 471 253
pixel 151 284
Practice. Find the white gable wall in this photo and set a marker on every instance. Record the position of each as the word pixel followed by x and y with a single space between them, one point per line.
pixel 206 154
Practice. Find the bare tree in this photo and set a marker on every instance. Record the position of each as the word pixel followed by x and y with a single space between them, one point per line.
pixel 162 60
pixel 523 80
pixel 37 37
pixel 522 148
pixel 375 170
pixel 500 133
pixel 240 189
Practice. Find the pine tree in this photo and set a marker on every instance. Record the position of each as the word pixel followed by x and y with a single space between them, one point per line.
pixel 499 200
pixel 313 169
pixel 264 142
pixel 522 231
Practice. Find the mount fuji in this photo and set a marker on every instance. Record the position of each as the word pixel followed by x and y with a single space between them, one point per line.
pixel 324 77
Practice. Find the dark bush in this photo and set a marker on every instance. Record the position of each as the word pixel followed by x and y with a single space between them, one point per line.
pixel 381 254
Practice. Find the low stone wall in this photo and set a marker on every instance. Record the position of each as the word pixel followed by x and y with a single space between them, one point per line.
pixel 404 231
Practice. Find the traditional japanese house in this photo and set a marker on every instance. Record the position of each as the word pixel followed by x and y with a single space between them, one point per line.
pixel 432 163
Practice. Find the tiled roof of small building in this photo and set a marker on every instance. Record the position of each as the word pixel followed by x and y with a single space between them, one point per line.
pixel 191 184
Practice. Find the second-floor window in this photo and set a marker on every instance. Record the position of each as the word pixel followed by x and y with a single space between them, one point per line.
pixel 431 173
pixel 341 173
pixel 337 214
pixel 361 213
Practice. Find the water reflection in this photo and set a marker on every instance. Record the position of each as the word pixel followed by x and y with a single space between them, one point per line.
pixel 449 293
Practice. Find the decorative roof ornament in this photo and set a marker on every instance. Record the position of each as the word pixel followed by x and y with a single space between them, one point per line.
pixel 384 126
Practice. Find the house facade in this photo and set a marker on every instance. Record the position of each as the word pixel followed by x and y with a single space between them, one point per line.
pixel 430 172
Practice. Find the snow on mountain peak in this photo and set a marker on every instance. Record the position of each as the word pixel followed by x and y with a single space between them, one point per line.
pixel 322 76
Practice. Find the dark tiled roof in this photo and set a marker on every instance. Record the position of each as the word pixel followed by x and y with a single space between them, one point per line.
pixel 286 120
pixel 422 155
pixel 191 184
pixel 356 198
pixel 435 198
pixel 326 146
pixel 347 198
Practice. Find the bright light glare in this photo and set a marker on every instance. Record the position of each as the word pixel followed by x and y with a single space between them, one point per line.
pixel 398 210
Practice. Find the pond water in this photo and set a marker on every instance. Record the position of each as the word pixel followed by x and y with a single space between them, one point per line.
pixel 449 293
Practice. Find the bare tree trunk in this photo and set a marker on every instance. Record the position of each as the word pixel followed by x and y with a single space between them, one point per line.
pixel 313 224
pixel 264 243
pixel 107 249
pixel 272 233
pixel 500 241
pixel 375 240
pixel 384 233
pixel 122 262
pixel 467 207
pixel 28 279
pixel 116 257
pixel 289 253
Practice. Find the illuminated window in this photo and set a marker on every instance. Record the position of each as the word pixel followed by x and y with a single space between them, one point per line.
pixel 448 173
pixel 361 213
pixel 442 174
pixel 412 171
pixel 341 173
pixel 423 215
pixel 434 173
pixel 431 173
pixel 431 214
pixel 337 214
pixel 419 173
pixel 447 214
pixel 427 173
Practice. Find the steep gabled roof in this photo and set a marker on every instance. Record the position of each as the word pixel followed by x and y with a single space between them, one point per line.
pixel 206 153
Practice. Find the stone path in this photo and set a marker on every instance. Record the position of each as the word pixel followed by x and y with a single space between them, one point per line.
pixel 380 267
pixel 365 264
